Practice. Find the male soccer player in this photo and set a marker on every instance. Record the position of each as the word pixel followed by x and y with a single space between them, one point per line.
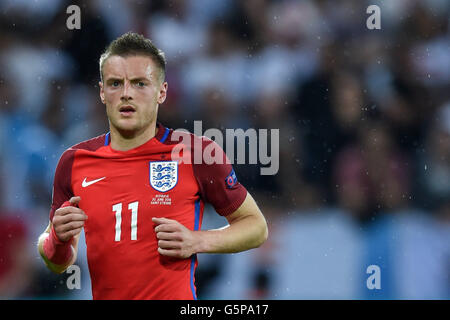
pixel 139 190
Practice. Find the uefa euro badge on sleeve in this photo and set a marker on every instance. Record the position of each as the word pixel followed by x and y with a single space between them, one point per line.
pixel 163 175
pixel 231 179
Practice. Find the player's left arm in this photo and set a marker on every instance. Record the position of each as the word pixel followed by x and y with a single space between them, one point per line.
pixel 247 229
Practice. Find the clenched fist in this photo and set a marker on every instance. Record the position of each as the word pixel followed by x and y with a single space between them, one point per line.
pixel 174 239
pixel 69 220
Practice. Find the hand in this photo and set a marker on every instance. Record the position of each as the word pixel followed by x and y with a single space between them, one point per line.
pixel 174 239
pixel 68 221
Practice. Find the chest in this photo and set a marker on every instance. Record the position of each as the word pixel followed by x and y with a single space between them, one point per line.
pixel 120 196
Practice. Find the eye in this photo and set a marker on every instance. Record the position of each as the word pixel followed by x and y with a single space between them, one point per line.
pixel 115 83
pixel 141 84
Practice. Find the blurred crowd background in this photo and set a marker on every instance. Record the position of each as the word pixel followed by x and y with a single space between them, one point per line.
pixel 364 120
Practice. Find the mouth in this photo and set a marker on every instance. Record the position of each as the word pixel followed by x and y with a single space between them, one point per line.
pixel 127 110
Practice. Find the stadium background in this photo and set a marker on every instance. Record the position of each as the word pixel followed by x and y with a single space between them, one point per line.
pixel 364 119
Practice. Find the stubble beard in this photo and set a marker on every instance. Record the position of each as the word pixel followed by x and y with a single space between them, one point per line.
pixel 128 132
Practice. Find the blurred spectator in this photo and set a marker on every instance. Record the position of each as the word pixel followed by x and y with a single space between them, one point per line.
pixel 86 49
pixel 16 269
pixel 176 33
pixel 434 165
pixel 387 168
pixel 372 174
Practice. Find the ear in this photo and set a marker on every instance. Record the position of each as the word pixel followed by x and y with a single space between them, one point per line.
pixel 162 92
pixel 102 92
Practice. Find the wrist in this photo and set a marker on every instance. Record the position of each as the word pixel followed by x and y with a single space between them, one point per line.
pixel 57 240
pixel 200 243
pixel 56 251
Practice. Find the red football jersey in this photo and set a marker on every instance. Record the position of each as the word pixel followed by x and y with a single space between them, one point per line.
pixel 121 191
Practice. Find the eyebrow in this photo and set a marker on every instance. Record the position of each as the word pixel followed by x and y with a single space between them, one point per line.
pixel 132 79
pixel 140 79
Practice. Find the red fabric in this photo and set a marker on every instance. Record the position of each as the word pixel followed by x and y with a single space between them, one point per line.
pixel 122 255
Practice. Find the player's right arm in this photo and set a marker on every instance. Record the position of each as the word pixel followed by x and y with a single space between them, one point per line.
pixel 58 244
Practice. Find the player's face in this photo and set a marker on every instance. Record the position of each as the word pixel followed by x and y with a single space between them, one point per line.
pixel 131 90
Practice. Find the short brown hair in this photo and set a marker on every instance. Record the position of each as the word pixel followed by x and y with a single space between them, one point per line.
pixel 130 44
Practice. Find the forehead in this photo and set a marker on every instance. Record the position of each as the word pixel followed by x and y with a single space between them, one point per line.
pixel 129 67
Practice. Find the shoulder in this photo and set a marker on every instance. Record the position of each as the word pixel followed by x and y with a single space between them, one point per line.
pixel 90 145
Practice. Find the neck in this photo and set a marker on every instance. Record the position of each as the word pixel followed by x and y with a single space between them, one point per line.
pixel 124 141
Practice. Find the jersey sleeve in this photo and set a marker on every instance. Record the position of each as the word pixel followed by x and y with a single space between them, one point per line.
pixel 62 189
pixel 217 180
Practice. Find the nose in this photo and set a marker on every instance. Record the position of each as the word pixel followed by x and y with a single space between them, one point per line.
pixel 126 92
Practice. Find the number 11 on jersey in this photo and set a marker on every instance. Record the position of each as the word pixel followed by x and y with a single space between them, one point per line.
pixel 117 208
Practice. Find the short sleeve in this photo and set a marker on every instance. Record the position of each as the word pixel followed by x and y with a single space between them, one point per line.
pixel 62 189
pixel 217 179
